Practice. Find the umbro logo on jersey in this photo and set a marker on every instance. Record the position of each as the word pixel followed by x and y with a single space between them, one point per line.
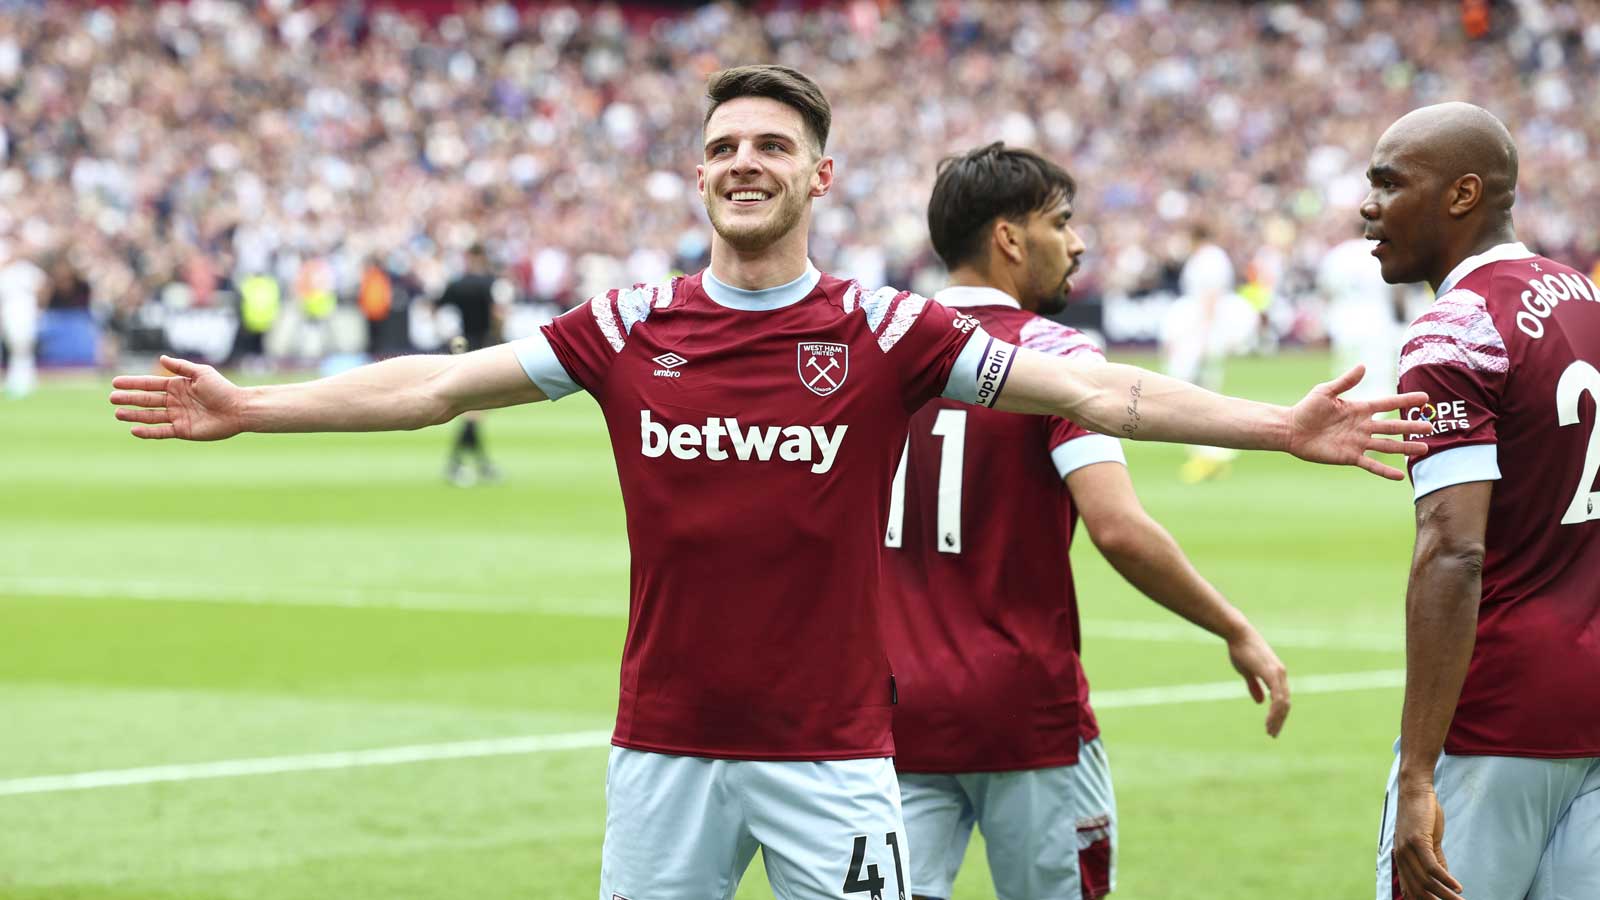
pixel 668 362
pixel 823 366
pixel 724 438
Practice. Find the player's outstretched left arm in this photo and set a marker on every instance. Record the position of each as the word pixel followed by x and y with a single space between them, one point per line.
pixel 1130 402
pixel 1441 629
pixel 1146 555
pixel 197 403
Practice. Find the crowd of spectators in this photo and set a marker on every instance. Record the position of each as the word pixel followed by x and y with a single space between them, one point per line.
pixel 153 148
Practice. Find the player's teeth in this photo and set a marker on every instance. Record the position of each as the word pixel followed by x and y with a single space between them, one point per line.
pixel 748 195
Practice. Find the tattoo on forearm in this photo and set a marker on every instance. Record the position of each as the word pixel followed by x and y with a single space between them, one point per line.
pixel 1134 393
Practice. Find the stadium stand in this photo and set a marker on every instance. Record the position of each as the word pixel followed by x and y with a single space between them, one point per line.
pixel 174 150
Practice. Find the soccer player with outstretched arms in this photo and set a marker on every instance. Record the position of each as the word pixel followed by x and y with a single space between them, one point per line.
pixel 756 410
pixel 994 729
pixel 1495 789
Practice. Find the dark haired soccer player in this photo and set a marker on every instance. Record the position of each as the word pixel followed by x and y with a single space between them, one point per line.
pixel 994 727
pixel 1495 789
pixel 756 410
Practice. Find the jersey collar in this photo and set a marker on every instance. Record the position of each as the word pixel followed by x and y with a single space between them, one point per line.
pixel 764 299
pixel 1497 253
pixel 962 295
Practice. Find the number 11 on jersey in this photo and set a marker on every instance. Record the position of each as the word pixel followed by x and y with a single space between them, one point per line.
pixel 950 424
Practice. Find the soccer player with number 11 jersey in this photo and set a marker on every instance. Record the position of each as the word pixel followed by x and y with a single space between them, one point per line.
pixel 1495 789
pixel 994 730
pixel 756 411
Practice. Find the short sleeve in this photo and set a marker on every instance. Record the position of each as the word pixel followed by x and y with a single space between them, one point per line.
pixel 1071 446
pixel 937 350
pixel 575 351
pixel 1455 354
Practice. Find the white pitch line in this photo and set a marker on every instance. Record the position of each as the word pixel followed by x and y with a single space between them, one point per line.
pixel 161 590
pixel 277 765
pixel 1184 633
pixel 1230 690
pixel 584 740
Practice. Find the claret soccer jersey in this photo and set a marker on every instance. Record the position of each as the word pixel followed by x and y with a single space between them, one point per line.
pixel 981 614
pixel 755 435
pixel 1508 354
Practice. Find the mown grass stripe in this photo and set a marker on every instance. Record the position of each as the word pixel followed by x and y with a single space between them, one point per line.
pixel 584 740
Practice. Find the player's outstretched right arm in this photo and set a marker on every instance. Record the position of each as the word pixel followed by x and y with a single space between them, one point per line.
pixel 1130 402
pixel 197 403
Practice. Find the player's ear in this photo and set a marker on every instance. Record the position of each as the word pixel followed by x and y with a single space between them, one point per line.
pixel 700 179
pixel 822 181
pixel 1465 194
pixel 1007 240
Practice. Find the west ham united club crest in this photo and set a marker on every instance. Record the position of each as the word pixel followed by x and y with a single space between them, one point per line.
pixel 823 366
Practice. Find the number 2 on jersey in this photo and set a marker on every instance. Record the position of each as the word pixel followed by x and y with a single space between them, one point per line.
pixel 950 424
pixel 1578 378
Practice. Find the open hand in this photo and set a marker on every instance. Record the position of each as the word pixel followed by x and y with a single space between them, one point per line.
pixel 1264 674
pixel 1325 428
pixel 196 404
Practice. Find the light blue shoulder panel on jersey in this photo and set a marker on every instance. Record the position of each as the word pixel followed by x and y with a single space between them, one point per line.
pixel 1086 451
pixel 980 371
pixel 1457 465
pixel 543 368
pixel 633 306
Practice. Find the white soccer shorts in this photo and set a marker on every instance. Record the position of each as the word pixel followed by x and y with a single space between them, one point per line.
pixel 1051 834
pixel 1514 827
pixel 686 828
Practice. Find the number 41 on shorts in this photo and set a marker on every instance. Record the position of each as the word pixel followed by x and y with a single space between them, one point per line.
pixel 872 884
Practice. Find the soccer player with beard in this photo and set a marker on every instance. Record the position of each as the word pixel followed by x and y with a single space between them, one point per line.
pixel 1495 788
pixel 756 410
pixel 994 727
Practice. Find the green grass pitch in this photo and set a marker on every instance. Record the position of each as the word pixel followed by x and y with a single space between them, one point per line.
pixel 164 604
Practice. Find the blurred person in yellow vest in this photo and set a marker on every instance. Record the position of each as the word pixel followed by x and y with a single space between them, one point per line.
pixel 313 289
pixel 375 297
pixel 260 299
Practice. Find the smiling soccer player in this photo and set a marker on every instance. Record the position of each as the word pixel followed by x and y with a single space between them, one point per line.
pixel 756 692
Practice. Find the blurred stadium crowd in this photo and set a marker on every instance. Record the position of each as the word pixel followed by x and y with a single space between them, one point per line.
pixel 350 153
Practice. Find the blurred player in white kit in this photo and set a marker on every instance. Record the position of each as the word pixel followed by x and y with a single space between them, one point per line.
pixel 22 296
pixel 1209 322
pixel 1363 314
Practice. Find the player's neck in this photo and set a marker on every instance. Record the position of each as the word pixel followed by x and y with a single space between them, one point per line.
pixel 972 276
pixel 1482 242
pixel 757 270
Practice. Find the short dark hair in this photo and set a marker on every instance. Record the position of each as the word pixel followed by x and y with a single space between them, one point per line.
pixel 979 186
pixel 781 83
